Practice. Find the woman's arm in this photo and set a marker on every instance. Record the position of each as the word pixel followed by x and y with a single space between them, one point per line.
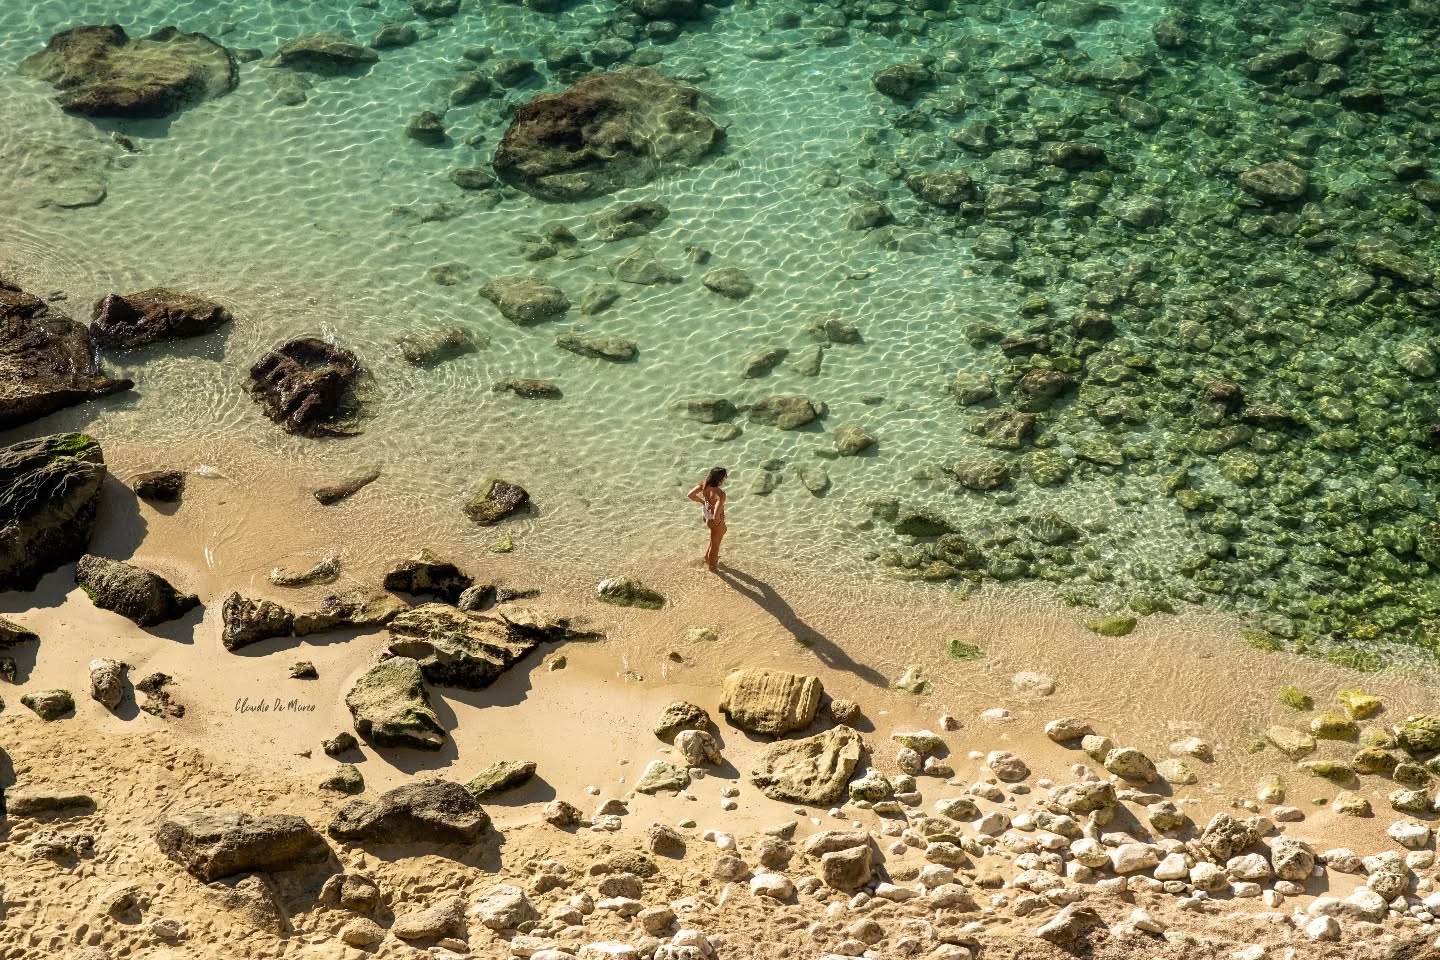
pixel 695 494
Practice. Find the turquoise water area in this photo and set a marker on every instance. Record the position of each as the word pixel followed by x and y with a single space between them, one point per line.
pixel 1125 362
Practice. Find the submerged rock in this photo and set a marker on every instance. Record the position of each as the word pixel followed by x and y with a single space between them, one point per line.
pixel 770 702
pixel 135 593
pixel 708 409
pixel 428 575
pixel 100 71
pixel 392 709
pixel 433 347
pixel 730 282
pixel 813 770
pixel 627 220
pixel 47 361
pixel 212 844
pixel 49 493
pixel 609 130
pixel 159 486
pixel 125 321
pixel 333 493
pixel 786 412
pixel 306 385
pixel 498 501
pixel 1280 182
pixel 325 53
pixel 614 349
pixel 430 811
pixel 629 592
pixel 526 300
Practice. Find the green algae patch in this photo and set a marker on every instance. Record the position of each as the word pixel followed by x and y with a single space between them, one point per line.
pixel 1332 770
pixel 1262 641
pixel 962 650
pixel 1295 698
pixel 1358 704
pixel 1333 726
pixel 1419 734
pixel 1111 626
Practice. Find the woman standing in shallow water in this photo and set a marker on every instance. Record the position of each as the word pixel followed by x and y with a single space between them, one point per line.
pixel 711 498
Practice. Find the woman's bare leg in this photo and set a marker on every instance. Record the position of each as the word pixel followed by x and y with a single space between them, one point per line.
pixel 712 555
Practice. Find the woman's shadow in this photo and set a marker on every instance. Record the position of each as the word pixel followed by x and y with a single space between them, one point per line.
pixel 765 597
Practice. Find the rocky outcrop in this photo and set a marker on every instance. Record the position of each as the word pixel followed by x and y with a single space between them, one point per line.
pixel 135 593
pixel 125 321
pixel 211 844
pixel 100 71
pixel 455 648
pixel 426 574
pixel 49 492
pixel 50 704
pixel 607 131
pixel 813 770
pixel 771 702
pixel 47 360
pixel 159 486
pixel 307 386
pixel 429 811
pixel 37 799
pixel 391 707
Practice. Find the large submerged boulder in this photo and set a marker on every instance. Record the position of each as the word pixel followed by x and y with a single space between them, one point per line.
pixel 391 707
pixel 123 321
pixel 469 650
pixel 212 844
pixel 100 71
pixel 325 53
pixel 607 131
pixel 135 593
pixel 430 811
pixel 49 492
pixel 47 360
pixel 307 386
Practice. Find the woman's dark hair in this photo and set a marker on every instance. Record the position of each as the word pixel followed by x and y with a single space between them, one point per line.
pixel 716 474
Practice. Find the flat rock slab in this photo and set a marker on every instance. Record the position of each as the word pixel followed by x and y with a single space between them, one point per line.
pixel 100 71
pixel 391 707
pixel 431 811
pixel 813 770
pixel 770 701
pixel 458 648
pixel 29 800
pixel 212 844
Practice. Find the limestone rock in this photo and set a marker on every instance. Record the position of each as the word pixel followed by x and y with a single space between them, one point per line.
pixel 847 870
pixel 12 634
pixel 100 71
pixel 245 621
pixel 107 682
pixel 526 300
pixel 49 704
pixel 500 776
pixel 129 320
pixel 427 574
pixel 35 799
pixel 49 492
pixel 212 844
pixel 730 282
pixel 307 386
pixel 440 919
pixel 678 716
pixel 614 349
pixel 391 708
pixel 426 811
pixel 661 775
pixel 771 702
pixel 698 748
pixel 456 648
pixel 1291 859
pixel 609 130
pixel 145 598
pixel 785 412
pixel 813 770
pixel 346 778
pixel 629 592
pixel 504 907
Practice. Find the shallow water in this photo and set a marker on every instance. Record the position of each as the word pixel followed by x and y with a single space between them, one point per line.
pixel 321 218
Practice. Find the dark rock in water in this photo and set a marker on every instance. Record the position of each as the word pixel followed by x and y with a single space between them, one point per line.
pixel 757 363
pixel 526 300
pixel 426 574
pixel 498 777
pixel 1368 99
pixel 705 409
pixel 432 9
pixel 100 71
pixel 1138 113
pixel 673 10
pixel 161 486
pixel 786 412
pixel 135 593
pixel 335 492
pixel 211 844
pixel 943 188
pixel 429 811
pixel 499 500
pixel 479 597
pixel 1383 255
pixel 993 243
pixel 306 385
pixel 731 282
pixel 1280 182
pixel 1073 155
pixel 12 634
pixel 455 648
pixel 834 330
pixel 629 220
pixel 531 388
pixel 473 178
pixel 902 80
pixel 47 360
pixel 49 492
pixel 325 53
pixel 123 321
pixel 513 72
pixel 427 128
pixel 629 592
pixel 326 570
pixel 615 349
pixel 980 473
pixel 436 346
pixel 395 35
pixel 607 131
pixel 247 621
pixel 392 709
pixel 50 704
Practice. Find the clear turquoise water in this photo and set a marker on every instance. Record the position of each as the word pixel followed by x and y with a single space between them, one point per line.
pixel 312 219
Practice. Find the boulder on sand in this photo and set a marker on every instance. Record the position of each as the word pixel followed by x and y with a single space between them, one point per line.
pixel 457 648
pixel 12 634
pixel 49 492
pixel 47 360
pixel 107 682
pixel 770 701
pixel 100 71
pixel 124 321
pixel 813 770
pixel 307 386
pixel 392 709
pixel 135 593
pixel 610 130
pixel 211 844
pixel 427 574
pixel 245 621
pixel 500 776
pixel 428 811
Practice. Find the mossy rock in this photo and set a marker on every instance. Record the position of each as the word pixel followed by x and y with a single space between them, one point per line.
pixel 346 779
pixel 1419 733
pixel 963 650
pixel 1373 760
pixel 1295 698
pixel 1378 737
pixel 1262 641
pixel 498 777
pixel 919 524
pixel 392 708
pixel 1333 726
pixel 1411 775
pixel 1112 626
pixel 1332 770
pixel 50 704
pixel 629 592
pixel 1358 704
